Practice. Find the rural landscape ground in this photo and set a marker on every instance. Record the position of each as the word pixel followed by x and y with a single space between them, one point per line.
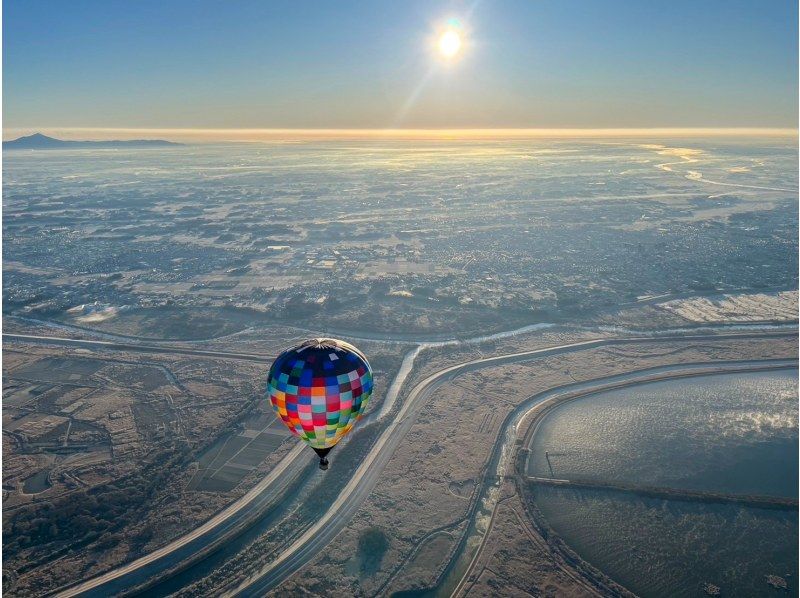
pixel 498 289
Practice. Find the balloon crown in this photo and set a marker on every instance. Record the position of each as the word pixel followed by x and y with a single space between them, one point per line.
pixel 322 342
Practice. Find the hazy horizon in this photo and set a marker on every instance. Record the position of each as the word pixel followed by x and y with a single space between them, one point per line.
pixel 279 134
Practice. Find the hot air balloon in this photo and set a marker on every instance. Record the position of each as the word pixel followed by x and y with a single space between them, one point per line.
pixel 319 389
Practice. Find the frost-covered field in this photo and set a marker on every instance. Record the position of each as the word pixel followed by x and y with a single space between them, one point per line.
pixel 455 237
pixel 746 307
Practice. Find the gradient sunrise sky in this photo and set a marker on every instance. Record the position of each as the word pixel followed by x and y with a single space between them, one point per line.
pixel 344 64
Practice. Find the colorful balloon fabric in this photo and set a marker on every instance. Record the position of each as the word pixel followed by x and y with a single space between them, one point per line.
pixel 320 389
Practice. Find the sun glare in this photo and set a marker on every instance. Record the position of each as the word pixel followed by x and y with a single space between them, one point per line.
pixel 449 43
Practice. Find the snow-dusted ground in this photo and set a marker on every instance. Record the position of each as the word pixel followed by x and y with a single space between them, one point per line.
pixel 737 308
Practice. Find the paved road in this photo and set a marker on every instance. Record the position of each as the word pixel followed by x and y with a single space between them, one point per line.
pixel 349 500
pixel 302 550
pixel 136 347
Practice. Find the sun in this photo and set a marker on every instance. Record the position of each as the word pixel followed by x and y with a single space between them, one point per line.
pixel 449 43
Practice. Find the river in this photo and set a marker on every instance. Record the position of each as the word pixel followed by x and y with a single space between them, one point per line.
pixel 733 433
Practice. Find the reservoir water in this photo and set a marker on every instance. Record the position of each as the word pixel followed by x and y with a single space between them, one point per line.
pixel 732 433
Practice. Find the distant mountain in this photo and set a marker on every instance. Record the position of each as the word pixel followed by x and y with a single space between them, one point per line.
pixel 39 141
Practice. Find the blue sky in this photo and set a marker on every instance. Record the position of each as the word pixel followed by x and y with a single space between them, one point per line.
pixel 343 64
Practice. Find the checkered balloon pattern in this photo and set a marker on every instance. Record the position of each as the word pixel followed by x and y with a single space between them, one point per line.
pixel 320 389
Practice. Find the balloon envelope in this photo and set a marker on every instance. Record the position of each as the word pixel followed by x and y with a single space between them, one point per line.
pixel 320 389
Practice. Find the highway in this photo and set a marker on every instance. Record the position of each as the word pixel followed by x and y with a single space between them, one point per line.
pixel 304 548
pixel 137 347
